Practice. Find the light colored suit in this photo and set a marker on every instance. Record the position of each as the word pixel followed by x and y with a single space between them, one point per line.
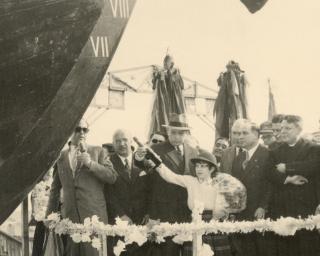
pixel 83 194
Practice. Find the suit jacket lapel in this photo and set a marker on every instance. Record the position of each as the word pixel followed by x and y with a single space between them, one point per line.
pixel 173 156
pixel 118 164
pixel 66 164
pixel 189 153
pixel 253 160
pixel 134 173
pixel 230 157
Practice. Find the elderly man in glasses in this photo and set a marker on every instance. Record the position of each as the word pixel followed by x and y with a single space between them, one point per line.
pixel 82 171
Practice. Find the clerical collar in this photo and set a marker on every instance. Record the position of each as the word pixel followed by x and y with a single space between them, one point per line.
pixel 293 144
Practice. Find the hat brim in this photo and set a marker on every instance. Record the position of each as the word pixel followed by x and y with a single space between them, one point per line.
pixel 198 159
pixel 177 127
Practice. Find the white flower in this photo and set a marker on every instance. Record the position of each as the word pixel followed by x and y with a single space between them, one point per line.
pixel 85 237
pixel 119 248
pixel 181 238
pixel 285 226
pixel 121 223
pixel 205 250
pixel 87 222
pixel 76 237
pixel 136 236
pixel 96 243
pixel 94 219
pixel 54 217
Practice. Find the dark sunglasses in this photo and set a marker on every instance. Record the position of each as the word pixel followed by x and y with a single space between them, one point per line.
pixel 79 129
pixel 156 141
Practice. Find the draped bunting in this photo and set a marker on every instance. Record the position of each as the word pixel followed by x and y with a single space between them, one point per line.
pixel 231 102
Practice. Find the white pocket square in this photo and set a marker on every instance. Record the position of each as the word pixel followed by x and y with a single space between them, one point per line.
pixel 142 173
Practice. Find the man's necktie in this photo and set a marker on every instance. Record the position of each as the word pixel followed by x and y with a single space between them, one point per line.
pixel 179 150
pixel 127 168
pixel 244 158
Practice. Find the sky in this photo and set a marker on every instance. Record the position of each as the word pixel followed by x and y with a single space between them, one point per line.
pixel 280 42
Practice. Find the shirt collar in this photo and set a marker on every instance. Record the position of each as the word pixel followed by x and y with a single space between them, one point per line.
pixel 252 150
pixel 123 159
pixel 73 147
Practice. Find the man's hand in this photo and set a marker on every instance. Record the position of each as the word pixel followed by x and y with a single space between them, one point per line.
pixel 152 223
pixel 85 159
pixel 140 153
pixel 145 219
pixel 149 164
pixel 296 180
pixel 46 223
pixel 281 167
pixel 108 163
pixel 126 218
pixel 317 210
pixel 260 213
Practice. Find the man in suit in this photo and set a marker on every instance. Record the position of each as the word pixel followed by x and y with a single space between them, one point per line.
pixel 82 171
pixel 251 167
pixel 267 134
pixel 127 197
pixel 230 153
pixel 168 202
pixel 220 146
pixel 295 176
pixel 276 127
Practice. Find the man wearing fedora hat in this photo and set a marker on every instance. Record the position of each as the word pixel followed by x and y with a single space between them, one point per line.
pixel 168 202
pixel 267 134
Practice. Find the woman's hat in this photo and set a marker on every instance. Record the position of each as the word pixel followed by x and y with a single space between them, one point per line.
pixel 178 122
pixel 205 156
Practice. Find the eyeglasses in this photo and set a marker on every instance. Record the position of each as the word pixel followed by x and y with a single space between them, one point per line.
pixel 79 129
pixel 156 141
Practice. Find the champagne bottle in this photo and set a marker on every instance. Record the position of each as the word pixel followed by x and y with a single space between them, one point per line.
pixel 151 155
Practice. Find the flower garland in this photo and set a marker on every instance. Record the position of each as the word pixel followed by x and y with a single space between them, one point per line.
pixel 40 194
pixel 92 228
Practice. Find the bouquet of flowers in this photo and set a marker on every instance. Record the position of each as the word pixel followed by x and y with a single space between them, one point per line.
pixel 232 194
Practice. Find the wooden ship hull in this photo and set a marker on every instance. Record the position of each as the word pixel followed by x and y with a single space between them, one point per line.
pixel 53 56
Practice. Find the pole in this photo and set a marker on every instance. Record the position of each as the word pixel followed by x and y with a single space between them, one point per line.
pixel 25 228
pixel 196 243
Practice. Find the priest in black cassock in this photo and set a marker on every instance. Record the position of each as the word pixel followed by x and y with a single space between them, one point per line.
pixel 295 178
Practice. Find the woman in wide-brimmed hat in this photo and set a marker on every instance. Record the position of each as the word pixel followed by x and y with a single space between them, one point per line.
pixel 219 193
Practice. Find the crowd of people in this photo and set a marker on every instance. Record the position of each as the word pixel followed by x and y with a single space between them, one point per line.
pixel 269 172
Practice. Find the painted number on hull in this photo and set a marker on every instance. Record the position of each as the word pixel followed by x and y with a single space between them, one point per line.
pixel 100 46
pixel 120 8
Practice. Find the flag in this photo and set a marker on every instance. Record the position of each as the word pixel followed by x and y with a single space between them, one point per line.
pixel 272 105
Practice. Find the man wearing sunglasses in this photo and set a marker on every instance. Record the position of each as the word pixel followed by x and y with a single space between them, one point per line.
pixel 82 171
pixel 156 138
